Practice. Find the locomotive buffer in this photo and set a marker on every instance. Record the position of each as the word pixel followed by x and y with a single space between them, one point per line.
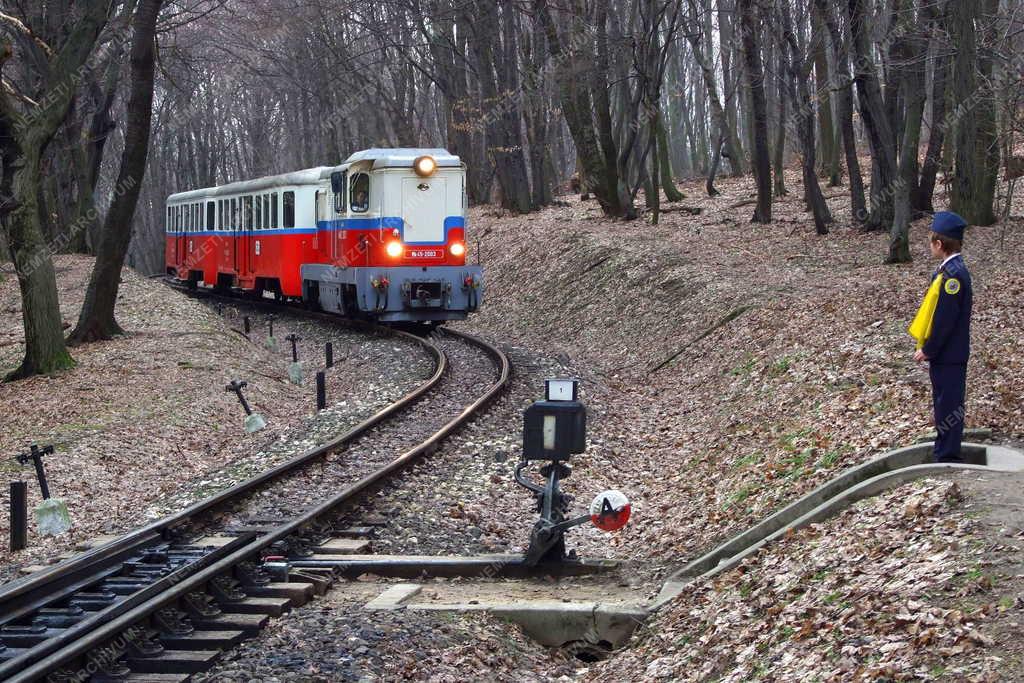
pixel 553 430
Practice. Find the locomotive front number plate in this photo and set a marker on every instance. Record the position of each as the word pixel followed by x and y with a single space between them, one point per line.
pixel 425 253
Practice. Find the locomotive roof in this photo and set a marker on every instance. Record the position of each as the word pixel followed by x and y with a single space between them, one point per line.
pixel 399 157
pixel 402 157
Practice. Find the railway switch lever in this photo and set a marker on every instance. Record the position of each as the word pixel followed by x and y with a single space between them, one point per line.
pixel 553 430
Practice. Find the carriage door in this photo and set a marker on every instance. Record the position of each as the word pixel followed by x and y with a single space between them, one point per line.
pixel 179 244
pixel 253 237
pixel 238 243
pixel 337 211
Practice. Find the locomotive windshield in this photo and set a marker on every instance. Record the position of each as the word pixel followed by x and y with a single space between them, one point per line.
pixel 359 194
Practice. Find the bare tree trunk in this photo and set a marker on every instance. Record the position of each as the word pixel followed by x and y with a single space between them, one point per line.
pixel 798 70
pixel 730 81
pixel 668 183
pixel 97 321
pixel 722 134
pixel 910 51
pixel 826 129
pixel 600 177
pixel 779 151
pixel 23 142
pixel 750 26
pixel 844 110
pixel 924 189
pixel 876 121
pixel 977 149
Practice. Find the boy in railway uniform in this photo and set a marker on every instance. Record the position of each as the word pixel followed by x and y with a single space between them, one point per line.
pixel 948 345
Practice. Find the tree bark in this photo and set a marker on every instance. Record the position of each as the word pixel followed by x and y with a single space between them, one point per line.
pixel 97 320
pixel 750 27
pixel 722 135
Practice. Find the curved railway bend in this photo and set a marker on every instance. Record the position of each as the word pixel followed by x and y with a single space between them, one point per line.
pixel 162 601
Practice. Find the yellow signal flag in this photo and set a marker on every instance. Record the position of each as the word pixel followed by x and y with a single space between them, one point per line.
pixel 921 327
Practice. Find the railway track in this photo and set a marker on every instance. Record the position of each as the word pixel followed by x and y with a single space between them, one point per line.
pixel 162 601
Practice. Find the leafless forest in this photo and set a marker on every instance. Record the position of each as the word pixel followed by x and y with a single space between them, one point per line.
pixel 108 107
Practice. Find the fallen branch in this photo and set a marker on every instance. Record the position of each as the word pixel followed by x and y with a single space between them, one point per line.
pixel 728 318
pixel 692 210
pixel 745 202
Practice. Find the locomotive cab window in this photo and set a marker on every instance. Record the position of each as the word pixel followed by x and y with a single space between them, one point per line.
pixel 359 193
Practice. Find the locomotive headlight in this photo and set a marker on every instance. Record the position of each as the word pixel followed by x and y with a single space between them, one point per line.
pixel 458 249
pixel 424 166
pixel 394 249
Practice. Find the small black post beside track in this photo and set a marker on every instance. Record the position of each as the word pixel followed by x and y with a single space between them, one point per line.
pixel 162 572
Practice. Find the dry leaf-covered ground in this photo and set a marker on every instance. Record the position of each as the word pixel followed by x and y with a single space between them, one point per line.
pixel 900 587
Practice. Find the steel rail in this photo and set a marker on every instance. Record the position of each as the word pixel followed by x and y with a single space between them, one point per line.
pixel 19 596
pixel 113 628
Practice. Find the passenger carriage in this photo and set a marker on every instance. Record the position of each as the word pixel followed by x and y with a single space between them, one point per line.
pixel 381 236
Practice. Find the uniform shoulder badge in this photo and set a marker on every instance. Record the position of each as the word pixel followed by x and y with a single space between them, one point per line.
pixel 952 286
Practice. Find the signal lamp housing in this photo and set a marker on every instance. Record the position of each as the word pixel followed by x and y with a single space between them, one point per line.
pixel 424 166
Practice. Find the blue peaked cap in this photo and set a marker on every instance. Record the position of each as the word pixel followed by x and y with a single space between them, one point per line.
pixel 949 224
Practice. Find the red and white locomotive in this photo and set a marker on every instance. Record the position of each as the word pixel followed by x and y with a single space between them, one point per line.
pixel 380 236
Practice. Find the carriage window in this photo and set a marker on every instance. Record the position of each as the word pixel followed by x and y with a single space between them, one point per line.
pixel 211 216
pixel 258 211
pixel 267 223
pixel 359 193
pixel 233 214
pixel 273 210
pixel 289 210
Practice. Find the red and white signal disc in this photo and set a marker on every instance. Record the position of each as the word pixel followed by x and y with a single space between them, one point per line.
pixel 610 510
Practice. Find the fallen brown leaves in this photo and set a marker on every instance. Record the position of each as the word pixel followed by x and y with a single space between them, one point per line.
pixel 887 590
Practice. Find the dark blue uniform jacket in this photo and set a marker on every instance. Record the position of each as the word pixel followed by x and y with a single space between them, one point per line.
pixel 950 339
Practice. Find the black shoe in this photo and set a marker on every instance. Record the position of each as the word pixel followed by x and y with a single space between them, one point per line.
pixel 951 459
